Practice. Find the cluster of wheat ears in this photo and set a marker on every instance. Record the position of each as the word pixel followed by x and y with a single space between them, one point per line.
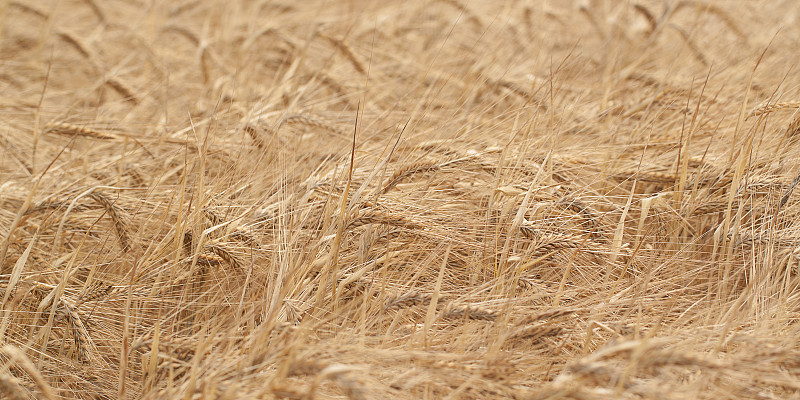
pixel 399 200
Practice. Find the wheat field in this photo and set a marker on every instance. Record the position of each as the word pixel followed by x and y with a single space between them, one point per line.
pixel 446 199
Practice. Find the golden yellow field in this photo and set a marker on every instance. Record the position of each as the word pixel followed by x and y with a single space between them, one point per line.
pixel 447 199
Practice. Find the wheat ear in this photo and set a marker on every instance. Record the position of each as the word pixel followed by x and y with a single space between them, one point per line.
pixel 720 13
pixel 470 312
pixel 119 224
pixel 101 16
pixel 62 128
pixel 536 332
pixel 225 254
pixel 691 44
pixel 314 123
pixel 408 171
pixel 651 20
pixel 546 242
pixel 383 218
pixel 516 89
pixel 122 89
pixel 76 43
pixel 348 53
pixel 257 136
pixel 766 108
pixel 29 9
pixel 186 33
pixel 83 342
pixel 26 365
pixel 793 129
pixel 472 17
pixel 406 300
pixel 96 293
pixel 12 387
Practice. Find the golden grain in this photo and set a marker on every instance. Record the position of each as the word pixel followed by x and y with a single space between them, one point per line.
pixel 439 199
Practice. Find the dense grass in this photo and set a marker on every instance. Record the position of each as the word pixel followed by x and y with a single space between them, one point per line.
pixel 413 200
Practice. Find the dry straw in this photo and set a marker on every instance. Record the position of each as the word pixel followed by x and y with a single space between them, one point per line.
pixel 455 242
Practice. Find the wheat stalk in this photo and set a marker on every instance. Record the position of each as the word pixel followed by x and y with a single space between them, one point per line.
pixel 647 176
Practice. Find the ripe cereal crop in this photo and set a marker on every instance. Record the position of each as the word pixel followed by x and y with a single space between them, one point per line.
pixel 426 199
